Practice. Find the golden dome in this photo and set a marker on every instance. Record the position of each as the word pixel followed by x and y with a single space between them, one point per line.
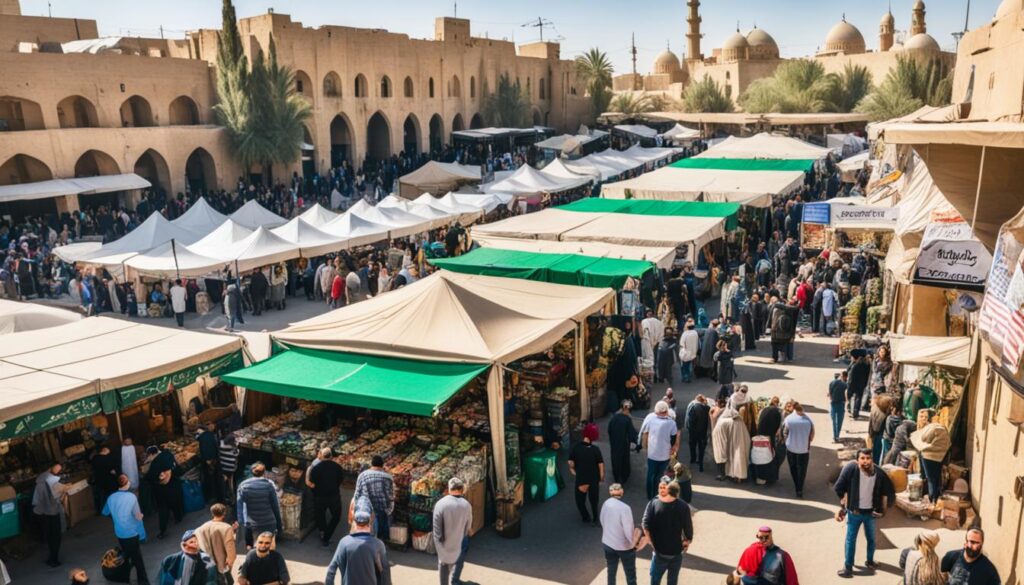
pixel 1008 7
pixel 762 45
pixel 888 19
pixel 666 62
pixel 922 42
pixel 844 38
pixel 736 41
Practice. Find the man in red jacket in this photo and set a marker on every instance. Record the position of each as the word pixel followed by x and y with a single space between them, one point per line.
pixel 764 563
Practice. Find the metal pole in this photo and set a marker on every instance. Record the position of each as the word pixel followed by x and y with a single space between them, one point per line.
pixel 174 252
pixel 977 192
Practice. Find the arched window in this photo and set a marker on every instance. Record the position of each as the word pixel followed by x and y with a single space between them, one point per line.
pixel 409 88
pixel 332 85
pixel 360 86
pixel 385 87
pixel 455 87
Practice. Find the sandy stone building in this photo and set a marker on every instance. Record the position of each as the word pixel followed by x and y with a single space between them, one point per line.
pixel 745 58
pixel 73 104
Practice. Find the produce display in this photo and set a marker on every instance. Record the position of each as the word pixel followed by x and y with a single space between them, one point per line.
pixel 184 449
pixel 851 317
pixel 873 289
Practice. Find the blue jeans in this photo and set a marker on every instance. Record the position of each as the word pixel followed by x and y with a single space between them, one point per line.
pixel 655 469
pixel 886 445
pixel 854 400
pixel 382 525
pixel 453 573
pixel 853 523
pixel 661 565
pixel 628 558
pixel 876 448
pixel 838 412
pixel 686 371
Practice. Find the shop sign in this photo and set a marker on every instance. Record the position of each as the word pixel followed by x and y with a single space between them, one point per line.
pixel 957 264
pixel 853 215
pixel 816 213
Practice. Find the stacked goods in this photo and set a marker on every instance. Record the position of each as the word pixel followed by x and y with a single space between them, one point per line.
pixel 184 450
pixel 878 318
pixel 355 456
pixel 873 292
pixel 564 349
pixel 849 342
pixel 851 317
pixel 472 416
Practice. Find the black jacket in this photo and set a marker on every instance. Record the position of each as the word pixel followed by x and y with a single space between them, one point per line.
pixel 848 484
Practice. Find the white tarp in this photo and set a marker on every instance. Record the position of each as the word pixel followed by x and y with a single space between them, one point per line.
pixel 557 170
pixel 680 133
pixel 200 218
pixel 919 350
pixel 638 130
pixel 754 188
pixel 226 235
pixel 644 155
pixel 466 214
pixel 486 202
pixel 355 230
pixel 765 145
pixel 253 215
pixel 849 167
pixel 436 216
pixel 38 190
pixel 151 233
pixel 952 257
pixel 310 240
pixel 110 183
pixel 17 316
pixel 846 144
pixel 661 256
pixel 528 181
pixel 317 216
pixel 171 260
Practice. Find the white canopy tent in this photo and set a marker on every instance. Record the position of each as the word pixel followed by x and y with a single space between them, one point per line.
pixel 754 188
pixel 400 223
pixel 258 249
pixel 558 171
pixel 846 144
pixel 17 316
pixel 151 233
pixel 765 145
pixel 318 216
pixel 226 235
pixel 310 240
pixel 436 216
pixel 465 213
pixel 253 215
pixel 200 218
pixel 645 155
pixel 76 186
pixel 355 230
pixel 486 202
pixel 849 167
pixel 171 260
pixel 661 256
pixel 637 130
pixel 680 134
pixel 527 181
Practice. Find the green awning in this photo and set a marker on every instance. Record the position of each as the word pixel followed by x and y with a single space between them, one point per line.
pixel 363 381
pixel 745 164
pixel 573 269
pixel 657 207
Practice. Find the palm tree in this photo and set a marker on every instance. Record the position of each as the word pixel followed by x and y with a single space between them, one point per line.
pixel 848 88
pixel 507 106
pixel 288 114
pixel 913 83
pixel 889 101
pixel 595 71
pixel 797 86
pixel 706 96
pixel 631 103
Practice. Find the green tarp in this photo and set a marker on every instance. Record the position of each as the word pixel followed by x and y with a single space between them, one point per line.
pixel 745 164
pixel 657 207
pixel 573 269
pixel 362 381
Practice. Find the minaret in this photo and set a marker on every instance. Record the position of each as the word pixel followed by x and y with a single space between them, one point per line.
pixel 693 37
pixel 887 32
pixel 917 24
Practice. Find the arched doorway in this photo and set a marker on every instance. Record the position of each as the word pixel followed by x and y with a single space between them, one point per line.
pixel 200 172
pixel 385 87
pixel 20 169
pixel 332 85
pixel 136 113
pixel 476 122
pixel 378 137
pixel 436 133
pixel 77 112
pixel 17 114
pixel 359 86
pixel 411 135
pixel 184 112
pixel 308 153
pixel 153 167
pixel 457 124
pixel 94 163
pixel 303 85
pixel 341 141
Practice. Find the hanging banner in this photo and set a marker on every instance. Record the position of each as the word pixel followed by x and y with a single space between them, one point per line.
pixel 1001 321
pixel 864 216
pixel 950 257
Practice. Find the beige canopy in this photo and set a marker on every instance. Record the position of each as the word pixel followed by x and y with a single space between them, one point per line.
pixel 52 367
pixel 951 352
pixel 437 177
pixel 17 316
pixel 661 256
pixel 753 188
pixel 453 317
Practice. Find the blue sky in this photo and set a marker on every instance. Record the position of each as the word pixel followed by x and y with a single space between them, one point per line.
pixel 799 26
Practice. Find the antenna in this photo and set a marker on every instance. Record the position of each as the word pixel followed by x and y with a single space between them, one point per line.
pixel 960 34
pixel 49 9
pixel 541 23
pixel 632 51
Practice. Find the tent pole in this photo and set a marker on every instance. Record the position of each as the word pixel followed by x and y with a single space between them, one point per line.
pixel 174 252
pixel 120 432
pixel 977 191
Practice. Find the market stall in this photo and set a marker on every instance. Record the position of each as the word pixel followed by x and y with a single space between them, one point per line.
pixel 200 218
pixel 437 177
pixel 662 257
pixel 253 215
pixel 573 269
pixel 318 216
pixel 749 187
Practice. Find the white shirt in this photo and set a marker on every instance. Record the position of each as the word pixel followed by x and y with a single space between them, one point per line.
pixel 867 489
pixel 617 525
pixel 178 298
pixel 659 436
pixel 689 343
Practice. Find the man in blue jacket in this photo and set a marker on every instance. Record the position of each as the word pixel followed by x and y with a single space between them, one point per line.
pixel 865 493
pixel 258 507
pixel 191 566
pixel 361 558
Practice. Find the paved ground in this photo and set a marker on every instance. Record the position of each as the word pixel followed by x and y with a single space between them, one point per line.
pixel 556 548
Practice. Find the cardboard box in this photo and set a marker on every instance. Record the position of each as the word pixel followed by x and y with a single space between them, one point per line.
pixel 476 495
pixel 79 506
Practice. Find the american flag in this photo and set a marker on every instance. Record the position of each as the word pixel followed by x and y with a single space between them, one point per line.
pixel 1001 322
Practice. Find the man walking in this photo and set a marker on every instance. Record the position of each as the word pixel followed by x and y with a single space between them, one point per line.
pixel 697 421
pixel 361 558
pixel 865 493
pixel 622 436
pixel 378 487
pixel 48 504
pixel 190 566
pixel 453 519
pixel 860 374
pixel 259 510
pixel 123 508
pixel 764 563
pixel 262 565
pixel 178 304
pixel 799 431
pixel 217 539
pixel 689 345
pixel 837 390
pixel 659 438
pixel 163 476
pixel 969 566
pixel 209 455
pixel 618 536
pixel 829 303
pixel 587 465
pixel 668 526
pixel 325 480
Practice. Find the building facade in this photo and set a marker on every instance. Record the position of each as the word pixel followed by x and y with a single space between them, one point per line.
pixel 74 104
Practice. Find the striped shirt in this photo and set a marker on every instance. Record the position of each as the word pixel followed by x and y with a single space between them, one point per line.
pixel 228 458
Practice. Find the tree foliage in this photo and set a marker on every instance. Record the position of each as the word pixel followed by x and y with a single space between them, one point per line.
pixel 595 71
pixel 507 106
pixel 848 88
pixel 801 86
pixel 706 96
pixel 632 103
pixel 913 83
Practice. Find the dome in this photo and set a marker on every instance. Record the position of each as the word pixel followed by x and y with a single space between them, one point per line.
pixel 919 5
pixel 1008 7
pixel 735 48
pixel 666 62
pixel 922 42
pixel 888 19
pixel 762 45
pixel 844 38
